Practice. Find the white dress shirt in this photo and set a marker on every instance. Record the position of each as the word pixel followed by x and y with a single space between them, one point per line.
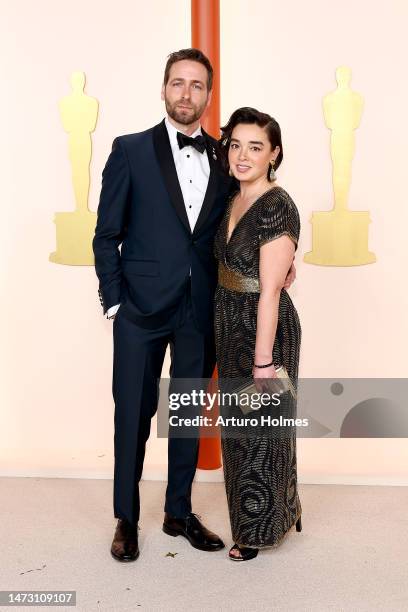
pixel 193 171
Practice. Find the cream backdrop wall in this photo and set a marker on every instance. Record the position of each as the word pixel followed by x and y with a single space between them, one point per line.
pixel 56 405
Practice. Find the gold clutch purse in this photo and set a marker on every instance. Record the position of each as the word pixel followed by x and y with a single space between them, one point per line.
pixel 275 386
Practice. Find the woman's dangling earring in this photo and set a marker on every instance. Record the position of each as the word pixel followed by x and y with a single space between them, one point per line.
pixel 230 173
pixel 271 171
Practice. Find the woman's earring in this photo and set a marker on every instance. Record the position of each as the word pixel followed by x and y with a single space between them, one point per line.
pixel 271 171
pixel 230 173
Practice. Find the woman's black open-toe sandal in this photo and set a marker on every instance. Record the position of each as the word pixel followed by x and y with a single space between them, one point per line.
pixel 245 553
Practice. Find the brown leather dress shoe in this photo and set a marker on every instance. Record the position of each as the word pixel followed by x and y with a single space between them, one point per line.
pixel 125 545
pixel 199 536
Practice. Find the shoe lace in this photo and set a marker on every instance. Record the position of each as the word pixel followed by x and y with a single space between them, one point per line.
pixel 193 515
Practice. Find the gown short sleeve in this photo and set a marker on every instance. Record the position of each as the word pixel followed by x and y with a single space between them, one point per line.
pixel 278 216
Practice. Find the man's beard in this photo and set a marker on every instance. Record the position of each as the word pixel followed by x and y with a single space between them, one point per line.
pixel 181 116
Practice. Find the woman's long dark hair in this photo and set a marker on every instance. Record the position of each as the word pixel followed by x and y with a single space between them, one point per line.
pixel 249 115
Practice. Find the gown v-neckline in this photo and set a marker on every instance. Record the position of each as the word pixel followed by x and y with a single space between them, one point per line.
pixel 229 235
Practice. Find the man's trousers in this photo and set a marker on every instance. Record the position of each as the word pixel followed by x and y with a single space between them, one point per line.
pixel 137 363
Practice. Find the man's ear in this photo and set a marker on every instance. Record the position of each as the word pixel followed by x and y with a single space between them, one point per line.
pixel 209 99
pixel 162 91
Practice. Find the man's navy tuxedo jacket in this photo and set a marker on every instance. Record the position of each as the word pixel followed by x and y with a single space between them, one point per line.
pixel 141 207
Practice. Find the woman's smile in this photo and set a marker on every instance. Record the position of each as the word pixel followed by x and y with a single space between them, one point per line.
pixel 242 167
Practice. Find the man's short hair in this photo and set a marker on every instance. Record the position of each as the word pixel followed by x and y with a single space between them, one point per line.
pixel 191 54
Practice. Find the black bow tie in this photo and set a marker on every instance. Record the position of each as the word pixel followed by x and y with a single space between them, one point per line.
pixel 198 142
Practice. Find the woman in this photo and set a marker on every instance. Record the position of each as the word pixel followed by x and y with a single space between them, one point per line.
pixel 257 327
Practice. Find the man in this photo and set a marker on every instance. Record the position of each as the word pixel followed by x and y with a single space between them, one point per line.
pixel 163 195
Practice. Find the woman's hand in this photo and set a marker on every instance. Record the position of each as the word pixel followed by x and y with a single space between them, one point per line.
pixel 261 377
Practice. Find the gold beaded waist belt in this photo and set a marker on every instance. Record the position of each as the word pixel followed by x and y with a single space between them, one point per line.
pixel 234 281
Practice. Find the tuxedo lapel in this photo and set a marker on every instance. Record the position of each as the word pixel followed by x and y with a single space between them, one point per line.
pixel 164 156
pixel 212 183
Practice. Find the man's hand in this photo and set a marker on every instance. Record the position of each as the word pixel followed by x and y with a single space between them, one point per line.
pixel 290 277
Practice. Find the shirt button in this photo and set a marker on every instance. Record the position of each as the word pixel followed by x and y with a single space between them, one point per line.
pixel 188 156
pixel 190 206
pixel 191 181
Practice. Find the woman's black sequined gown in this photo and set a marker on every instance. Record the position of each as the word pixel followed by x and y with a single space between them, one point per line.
pixel 260 472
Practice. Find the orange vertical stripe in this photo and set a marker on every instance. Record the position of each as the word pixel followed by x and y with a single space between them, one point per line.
pixel 205 32
pixel 205 29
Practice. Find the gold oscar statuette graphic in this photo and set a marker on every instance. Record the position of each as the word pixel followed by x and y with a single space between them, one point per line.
pixel 340 235
pixel 75 230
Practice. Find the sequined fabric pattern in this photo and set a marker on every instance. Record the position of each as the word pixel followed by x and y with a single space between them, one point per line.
pixel 229 279
pixel 260 472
